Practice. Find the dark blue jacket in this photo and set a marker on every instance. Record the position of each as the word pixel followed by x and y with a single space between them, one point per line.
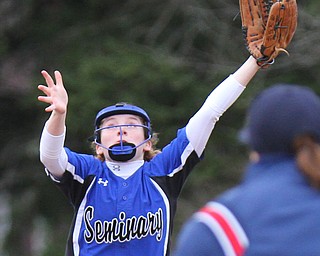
pixel 276 210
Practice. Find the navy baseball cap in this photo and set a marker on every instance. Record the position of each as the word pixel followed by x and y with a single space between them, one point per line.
pixel 279 114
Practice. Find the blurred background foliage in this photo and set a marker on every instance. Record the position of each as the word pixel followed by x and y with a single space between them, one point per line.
pixel 165 56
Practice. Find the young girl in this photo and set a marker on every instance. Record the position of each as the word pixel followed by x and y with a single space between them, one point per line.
pixel 125 197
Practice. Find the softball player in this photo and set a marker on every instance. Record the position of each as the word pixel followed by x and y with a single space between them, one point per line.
pixel 125 196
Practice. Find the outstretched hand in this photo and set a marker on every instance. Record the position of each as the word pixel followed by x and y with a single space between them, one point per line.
pixel 56 94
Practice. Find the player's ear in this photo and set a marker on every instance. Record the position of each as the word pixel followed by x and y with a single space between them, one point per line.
pixel 147 146
pixel 99 150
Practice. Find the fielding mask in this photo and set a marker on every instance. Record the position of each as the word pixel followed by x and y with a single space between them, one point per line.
pixel 123 151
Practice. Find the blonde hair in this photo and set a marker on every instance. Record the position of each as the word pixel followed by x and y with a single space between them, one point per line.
pixel 148 155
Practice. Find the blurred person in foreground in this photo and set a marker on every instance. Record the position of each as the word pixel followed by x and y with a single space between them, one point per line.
pixel 275 209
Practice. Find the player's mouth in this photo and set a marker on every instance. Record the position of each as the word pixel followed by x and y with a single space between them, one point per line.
pixel 122 151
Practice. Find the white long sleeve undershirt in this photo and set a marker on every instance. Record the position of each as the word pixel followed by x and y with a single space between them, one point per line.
pixel 219 100
pixel 52 153
pixel 198 129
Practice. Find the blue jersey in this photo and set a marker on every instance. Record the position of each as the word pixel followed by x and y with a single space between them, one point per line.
pixel 133 216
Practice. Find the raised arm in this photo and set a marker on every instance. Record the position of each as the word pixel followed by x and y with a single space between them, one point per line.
pixel 220 99
pixel 52 154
